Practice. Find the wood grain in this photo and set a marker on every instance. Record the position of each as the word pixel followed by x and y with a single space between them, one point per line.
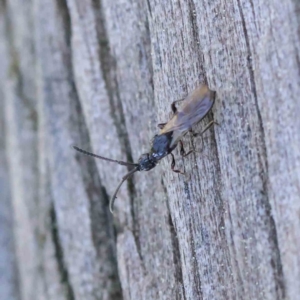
pixel 101 75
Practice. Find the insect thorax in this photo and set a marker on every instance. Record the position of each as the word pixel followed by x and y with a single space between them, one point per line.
pixel 146 162
pixel 161 145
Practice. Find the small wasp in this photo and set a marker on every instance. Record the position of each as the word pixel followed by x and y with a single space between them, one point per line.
pixel 193 109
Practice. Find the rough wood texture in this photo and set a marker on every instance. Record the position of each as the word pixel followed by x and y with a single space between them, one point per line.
pixel 101 75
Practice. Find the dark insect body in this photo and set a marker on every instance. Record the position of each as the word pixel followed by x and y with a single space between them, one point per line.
pixel 193 109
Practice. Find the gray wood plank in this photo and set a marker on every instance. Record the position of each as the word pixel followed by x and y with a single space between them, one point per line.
pixel 101 75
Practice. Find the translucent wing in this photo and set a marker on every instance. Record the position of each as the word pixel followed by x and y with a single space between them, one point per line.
pixel 193 109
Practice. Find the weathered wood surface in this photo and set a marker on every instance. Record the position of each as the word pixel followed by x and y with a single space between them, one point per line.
pixel 101 75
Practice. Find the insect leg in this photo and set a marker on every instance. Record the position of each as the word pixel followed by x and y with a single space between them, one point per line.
pixel 161 125
pixel 193 133
pixel 182 151
pixel 211 123
pixel 173 165
pixel 205 129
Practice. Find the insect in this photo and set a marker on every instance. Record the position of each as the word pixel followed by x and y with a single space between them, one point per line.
pixel 193 109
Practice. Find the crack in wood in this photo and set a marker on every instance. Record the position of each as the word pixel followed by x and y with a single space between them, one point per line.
pixel 197 278
pixel 149 8
pixel 59 255
pixel 109 69
pixel 175 245
pixel 263 161
pixel 102 228
pixel 176 255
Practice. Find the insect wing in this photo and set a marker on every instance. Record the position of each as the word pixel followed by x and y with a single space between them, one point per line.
pixel 193 109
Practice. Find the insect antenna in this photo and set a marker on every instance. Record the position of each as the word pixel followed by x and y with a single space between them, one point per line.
pixel 123 163
pixel 112 200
